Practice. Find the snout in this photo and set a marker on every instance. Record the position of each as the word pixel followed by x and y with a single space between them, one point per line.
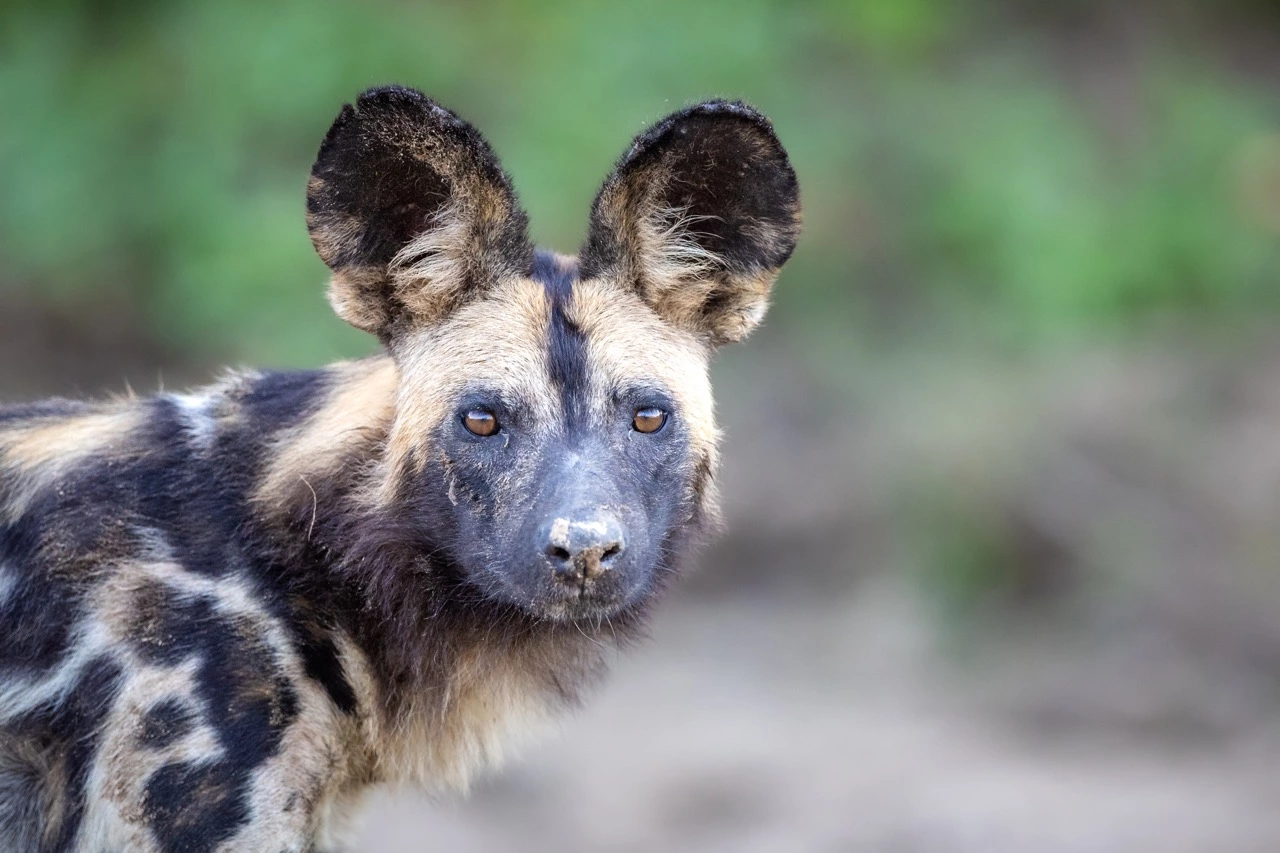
pixel 581 546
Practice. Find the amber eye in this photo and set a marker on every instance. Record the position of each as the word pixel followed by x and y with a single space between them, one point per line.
pixel 480 422
pixel 649 419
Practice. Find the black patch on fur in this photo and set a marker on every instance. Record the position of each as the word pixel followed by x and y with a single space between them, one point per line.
pixel 196 497
pixel 28 786
pixel 165 627
pixel 248 702
pixel 194 807
pixel 71 727
pixel 164 723
pixel 371 173
pixel 390 165
pixel 40 607
pixel 566 345
pixel 87 706
pixel 722 164
pixel 321 662
pixel 283 398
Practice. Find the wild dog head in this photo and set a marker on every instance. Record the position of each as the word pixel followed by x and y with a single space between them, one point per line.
pixel 554 426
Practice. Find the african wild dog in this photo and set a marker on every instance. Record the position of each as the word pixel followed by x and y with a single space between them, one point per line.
pixel 226 615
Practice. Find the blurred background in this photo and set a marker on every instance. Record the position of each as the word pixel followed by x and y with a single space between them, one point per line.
pixel 1002 470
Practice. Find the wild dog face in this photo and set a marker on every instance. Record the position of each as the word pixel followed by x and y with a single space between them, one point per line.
pixel 554 425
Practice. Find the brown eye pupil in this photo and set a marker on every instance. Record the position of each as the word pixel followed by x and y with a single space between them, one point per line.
pixel 649 419
pixel 479 422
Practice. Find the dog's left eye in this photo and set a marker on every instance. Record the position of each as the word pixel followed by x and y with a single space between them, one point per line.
pixel 649 419
pixel 480 422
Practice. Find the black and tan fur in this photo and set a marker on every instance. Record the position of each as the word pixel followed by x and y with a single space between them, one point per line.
pixel 226 615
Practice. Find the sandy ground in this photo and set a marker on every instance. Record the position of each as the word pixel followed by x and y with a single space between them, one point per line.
pixel 753 726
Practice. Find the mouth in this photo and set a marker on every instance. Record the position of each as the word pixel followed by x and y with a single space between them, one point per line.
pixel 558 598
pixel 584 601
pixel 578 603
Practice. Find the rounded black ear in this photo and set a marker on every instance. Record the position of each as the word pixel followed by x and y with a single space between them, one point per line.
pixel 409 207
pixel 698 217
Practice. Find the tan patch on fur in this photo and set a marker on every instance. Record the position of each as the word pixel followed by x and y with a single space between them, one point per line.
pixel 673 271
pixel 628 342
pixel 491 702
pixel 356 294
pixel 334 234
pixel 39 452
pixel 678 277
pixel 494 698
pixel 489 707
pixel 498 342
pixel 294 792
pixel 741 308
pixel 430 274
pixel 46 442
pixel 355 415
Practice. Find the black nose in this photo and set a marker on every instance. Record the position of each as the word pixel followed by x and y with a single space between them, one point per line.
pixel 581 546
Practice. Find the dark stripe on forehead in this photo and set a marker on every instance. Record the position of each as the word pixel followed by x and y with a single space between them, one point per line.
pixel 566 344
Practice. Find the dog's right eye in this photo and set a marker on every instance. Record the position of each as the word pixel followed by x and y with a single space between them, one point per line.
pixel 480 422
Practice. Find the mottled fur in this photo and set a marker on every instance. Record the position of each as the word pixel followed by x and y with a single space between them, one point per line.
pixel 226 615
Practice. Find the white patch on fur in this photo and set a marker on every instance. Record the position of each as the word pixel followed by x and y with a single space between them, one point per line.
pixel 89 640
pixel 315 758
pixel 232 596
pixel 294 790
pixel 8 583
pixel 197 417
pixel 116 786
pixel 431 269
pixel 671 257
pixel 478 727
pixel 560 532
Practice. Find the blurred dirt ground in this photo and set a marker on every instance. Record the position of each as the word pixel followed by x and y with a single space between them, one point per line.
pixel 766 726
pixel 1102 679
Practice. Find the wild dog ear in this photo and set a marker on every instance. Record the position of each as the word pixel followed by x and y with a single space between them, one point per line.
pixel 699 216
pixel 409 207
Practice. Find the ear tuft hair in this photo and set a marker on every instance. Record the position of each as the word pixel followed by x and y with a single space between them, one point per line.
pixel 698 217
pixel 409 207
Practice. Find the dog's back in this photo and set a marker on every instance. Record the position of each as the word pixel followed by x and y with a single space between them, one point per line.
pixel 152 665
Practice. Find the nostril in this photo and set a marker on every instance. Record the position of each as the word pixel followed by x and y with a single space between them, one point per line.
pixel 611 551
pixel 560 555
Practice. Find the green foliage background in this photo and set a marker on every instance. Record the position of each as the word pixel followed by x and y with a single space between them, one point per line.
pixel 1008 177
pixel 957 170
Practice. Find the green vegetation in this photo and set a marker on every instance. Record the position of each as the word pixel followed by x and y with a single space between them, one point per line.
pixel 1002 177
pixel 158 152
